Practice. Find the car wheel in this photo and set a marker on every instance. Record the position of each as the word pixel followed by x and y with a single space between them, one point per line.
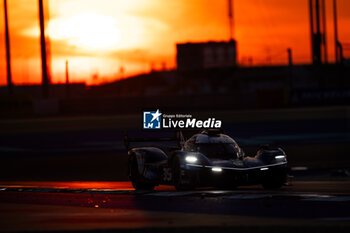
pixel 136 179
pixel 179 182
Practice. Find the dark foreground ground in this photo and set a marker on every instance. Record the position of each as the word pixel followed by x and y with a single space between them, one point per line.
pixel 115 207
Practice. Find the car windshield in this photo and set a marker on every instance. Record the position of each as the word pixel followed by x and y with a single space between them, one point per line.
pixel 218 150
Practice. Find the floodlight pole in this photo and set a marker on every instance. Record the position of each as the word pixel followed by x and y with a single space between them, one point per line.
pixel 45 77
pixel 8 54
pixel 335 19
pixel 67 80
pixel 230 17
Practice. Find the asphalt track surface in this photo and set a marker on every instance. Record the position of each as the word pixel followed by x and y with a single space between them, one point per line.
pixel 303 206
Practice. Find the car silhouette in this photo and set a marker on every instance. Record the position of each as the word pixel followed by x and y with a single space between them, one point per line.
pixel 207 159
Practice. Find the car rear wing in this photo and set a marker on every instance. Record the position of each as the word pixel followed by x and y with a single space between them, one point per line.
pixel 178 138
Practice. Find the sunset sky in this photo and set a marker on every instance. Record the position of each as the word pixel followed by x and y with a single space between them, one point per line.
pixel 98 37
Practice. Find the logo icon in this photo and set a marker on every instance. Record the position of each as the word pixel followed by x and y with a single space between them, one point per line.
pixel 151 120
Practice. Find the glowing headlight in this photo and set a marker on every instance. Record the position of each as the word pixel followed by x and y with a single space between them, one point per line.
pixel 279 157
pixel 216 169
pixel 264 168
pixel 191 159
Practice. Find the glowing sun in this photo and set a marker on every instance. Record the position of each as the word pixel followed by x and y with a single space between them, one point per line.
pixel 89 30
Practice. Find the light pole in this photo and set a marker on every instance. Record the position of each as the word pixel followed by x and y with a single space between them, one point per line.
pixel 8 54
pixel 45 77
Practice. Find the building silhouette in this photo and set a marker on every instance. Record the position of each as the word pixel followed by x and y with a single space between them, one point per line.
pixel 198 56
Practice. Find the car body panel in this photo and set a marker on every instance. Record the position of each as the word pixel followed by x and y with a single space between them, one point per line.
pixel 157 167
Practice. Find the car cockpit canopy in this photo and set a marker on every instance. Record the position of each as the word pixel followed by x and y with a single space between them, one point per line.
pixel 213 145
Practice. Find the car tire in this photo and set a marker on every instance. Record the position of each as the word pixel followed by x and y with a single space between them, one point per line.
pixel 137 180
pixel 179 184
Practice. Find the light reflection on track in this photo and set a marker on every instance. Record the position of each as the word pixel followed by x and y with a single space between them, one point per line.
pixel 296 186
pixel 312 191
pixel 100 205
pixel 76 185
pixel 69 184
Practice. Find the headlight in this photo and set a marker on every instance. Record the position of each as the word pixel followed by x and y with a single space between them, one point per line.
pixel 191 159
pixel 279 157
pixel 216 169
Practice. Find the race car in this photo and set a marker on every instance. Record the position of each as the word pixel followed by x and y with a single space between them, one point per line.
pixel 207 159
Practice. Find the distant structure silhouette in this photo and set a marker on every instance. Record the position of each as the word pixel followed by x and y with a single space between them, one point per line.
pixel 8 52
pixel 318 31
pixel 198 56
pixel 231 18
pixel 339 58
pixel 44 58
pixel 67 80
